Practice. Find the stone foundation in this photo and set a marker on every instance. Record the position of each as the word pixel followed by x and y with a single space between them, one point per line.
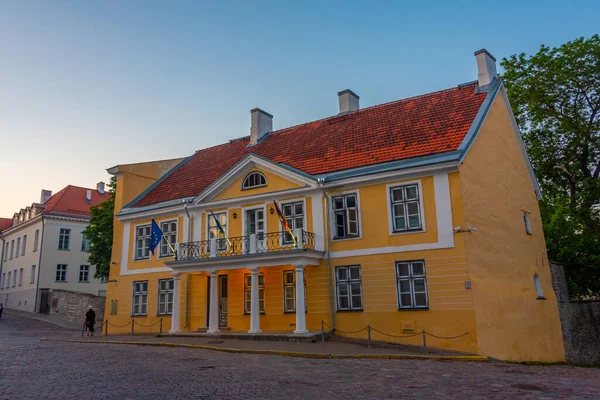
pixel 72 306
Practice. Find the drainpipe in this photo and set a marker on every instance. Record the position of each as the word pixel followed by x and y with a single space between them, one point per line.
pixel 39 270
pixel 321 182
pixel 187 276
pixel 2 257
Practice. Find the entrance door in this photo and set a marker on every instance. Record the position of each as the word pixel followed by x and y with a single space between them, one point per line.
pixel 222 301
pixel 255 224
pixel 44 301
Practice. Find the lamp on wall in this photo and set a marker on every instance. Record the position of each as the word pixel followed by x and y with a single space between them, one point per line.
pixel 271 210
pixel 234 215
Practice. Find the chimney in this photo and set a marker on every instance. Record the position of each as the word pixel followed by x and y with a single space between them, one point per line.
pixel 348 101
pixel 100 187
pixel 261 124
pixel 88 196
pixel 486 67
pixel 46 194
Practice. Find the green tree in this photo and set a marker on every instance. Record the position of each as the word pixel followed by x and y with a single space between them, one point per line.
pixel 555 95
pixel 100 232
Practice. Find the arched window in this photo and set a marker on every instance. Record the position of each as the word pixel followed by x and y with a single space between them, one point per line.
pixel 253 180
pixel 538 286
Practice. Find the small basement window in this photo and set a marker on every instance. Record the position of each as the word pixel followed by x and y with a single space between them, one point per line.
pixel 254 180
pixel 538 287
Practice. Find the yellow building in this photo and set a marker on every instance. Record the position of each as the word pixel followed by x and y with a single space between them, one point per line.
pixel 419 214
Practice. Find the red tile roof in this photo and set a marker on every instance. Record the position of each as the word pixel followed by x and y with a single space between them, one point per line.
pixel 72 200
pixel 424 125
pixel 5 223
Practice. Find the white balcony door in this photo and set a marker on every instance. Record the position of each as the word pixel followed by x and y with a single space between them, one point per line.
pixel 255 225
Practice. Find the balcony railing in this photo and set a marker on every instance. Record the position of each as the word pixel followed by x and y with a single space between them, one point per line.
pixel 251 244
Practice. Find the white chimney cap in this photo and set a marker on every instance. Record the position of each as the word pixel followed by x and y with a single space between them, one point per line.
pixel 348 101
pixel 100 187
pixel 486 67
pixel 261 125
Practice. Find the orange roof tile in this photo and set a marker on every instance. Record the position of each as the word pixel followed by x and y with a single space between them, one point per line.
pixel 419 126
pixel 72 200
pixel 5 223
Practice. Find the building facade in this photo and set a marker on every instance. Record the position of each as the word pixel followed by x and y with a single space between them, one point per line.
pixel 419 214
pixel 45 249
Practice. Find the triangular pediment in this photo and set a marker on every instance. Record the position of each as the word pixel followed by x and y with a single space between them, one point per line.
pixel 279 178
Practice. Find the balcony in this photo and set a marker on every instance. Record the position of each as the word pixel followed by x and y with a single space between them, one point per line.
pixel 262 249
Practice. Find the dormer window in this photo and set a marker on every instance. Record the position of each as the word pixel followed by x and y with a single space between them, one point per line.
pixel 254 180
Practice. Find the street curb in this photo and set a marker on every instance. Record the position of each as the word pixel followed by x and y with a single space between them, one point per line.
pixel 285 353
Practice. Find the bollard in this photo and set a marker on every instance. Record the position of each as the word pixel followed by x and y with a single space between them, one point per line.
pixel 424 340
pixel 106 328
pixel 132 327
pixel 161 325
pixel 322 331
pixel 369 335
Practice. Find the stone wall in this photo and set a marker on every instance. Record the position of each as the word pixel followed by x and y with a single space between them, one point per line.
pixel 580 322
pixel 72 306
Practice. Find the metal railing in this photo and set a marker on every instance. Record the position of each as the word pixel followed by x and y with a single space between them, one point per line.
pixel 251 244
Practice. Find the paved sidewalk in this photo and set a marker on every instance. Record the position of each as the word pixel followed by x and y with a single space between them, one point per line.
pixel 72 326
pixel 329 349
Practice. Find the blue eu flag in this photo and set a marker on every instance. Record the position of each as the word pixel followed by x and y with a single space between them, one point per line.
pixel 155 236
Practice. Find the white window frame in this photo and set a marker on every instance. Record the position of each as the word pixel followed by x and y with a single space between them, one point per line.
pixel 168 252
pixel 282 203
pixel 348 283
pixel 135 241
pixel 14 278
pixel 8 281
pixel 36 238
pixel 61 240
pixel 394 185
pixel 24 245
pixel 255 186
pixel 139 295
pixel 169 289
pixel 293 286
pixel 85 269
pixel 18 247
pixel 411 279
pixel 222 244
pixel 3 280
pixel 32 277
pixel 20 276
pixel 104 279
pixel 255 207
pixel 12 248
pixel 5 255
pixel 333 225
pixel 85 243
pixel 63 270
pixel 248 292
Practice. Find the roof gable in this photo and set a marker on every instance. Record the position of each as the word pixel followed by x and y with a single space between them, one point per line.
pixel 72 200
pixel 420 126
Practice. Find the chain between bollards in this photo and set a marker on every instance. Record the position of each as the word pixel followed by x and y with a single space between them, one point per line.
pixel 106 328
pixel 424 340
pixel 132 324
pixel 161 325
pixel 322 331
pixel 369 335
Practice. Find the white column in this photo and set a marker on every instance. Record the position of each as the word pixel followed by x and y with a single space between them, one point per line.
pixel 175 317
pixel 254 303
pixel 213 324
pixel 300 308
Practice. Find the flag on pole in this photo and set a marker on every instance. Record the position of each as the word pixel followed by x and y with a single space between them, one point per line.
pixel 156 235
pixel 284 222
pixel 220 230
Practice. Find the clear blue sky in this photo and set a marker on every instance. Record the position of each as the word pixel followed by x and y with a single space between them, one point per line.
pixel 86 85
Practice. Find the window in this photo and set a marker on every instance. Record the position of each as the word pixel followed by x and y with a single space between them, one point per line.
pixel 538 287
pixel 8 281
pixel 253 180
pixel 348 288
pixel 104 279
pixel 289 292
pixel 63 239
pixel 213 231
pixel 406 208
pixel 527 224
pixel 61 273
pixel 32 278
pixel 36 237
pixel 6 251
pixel 248 293
pixel 165 296
pixel 3 281
pixel 24 245
pixel 169 230
pixel 21 277
pixel 84 273
pixel 85 243
pixel 12 248
pixel 142 242
pixel 346 216
pixel 18 247
pixel 140 298
pixel 412 286
pixel 14 278
pixel 294 214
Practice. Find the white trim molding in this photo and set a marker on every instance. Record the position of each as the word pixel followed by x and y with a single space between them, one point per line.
pixel 388 188
pixel 443 209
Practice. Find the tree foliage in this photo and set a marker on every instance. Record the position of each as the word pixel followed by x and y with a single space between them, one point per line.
pixel 555 95
pixel 100 232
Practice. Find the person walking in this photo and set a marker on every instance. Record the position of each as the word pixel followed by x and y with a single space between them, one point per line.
pixel 90 321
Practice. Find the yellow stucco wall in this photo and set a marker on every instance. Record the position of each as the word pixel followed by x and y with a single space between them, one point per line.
pixel 274 183
pixel 511 323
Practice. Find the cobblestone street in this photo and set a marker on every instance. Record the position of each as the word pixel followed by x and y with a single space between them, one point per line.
pixel 32 369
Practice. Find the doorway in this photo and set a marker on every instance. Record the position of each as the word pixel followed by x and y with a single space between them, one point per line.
pixel 222 288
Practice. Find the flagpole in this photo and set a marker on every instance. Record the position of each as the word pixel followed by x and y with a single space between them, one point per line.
pixel 170 246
